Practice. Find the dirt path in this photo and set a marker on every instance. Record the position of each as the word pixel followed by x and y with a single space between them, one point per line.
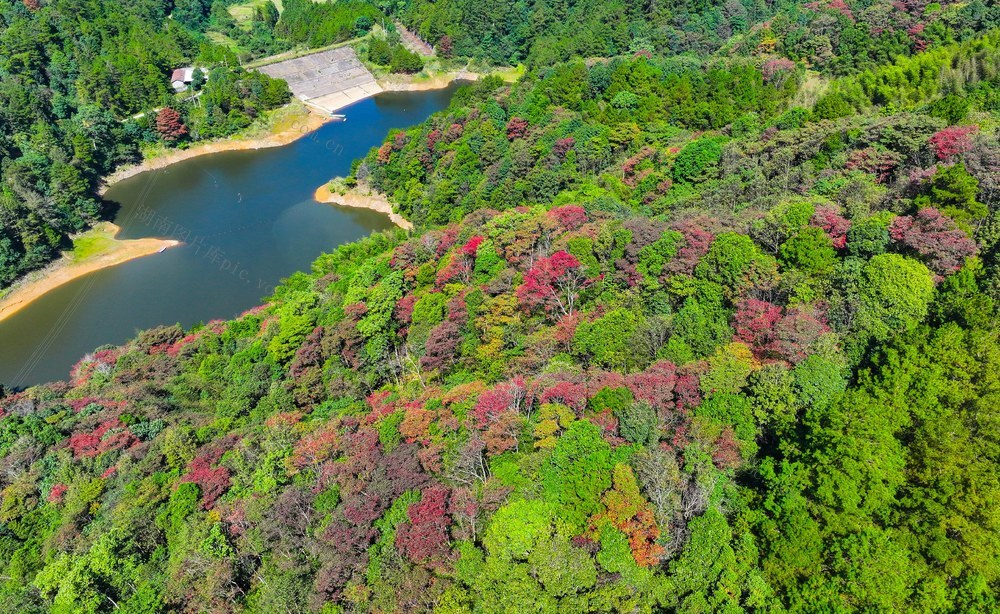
pixel 413 42
pixel 66 269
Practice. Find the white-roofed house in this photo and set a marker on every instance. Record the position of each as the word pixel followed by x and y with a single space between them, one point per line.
pixel 181 78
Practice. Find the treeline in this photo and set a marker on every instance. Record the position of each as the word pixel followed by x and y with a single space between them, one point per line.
pixel 317 24
pixel 390 52
pixel 573 132
pixel 542 33
pixel 304 23
pixel 834 36
pixel 73 75
pixel 844 37
pixel 948 79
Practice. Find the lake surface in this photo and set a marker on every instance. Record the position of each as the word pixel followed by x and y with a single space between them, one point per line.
pixel 247 220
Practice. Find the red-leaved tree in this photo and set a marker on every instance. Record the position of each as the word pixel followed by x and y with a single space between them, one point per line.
pixel 877 162
pixel 569 394
pixel 775 69
pixel 384 153
pixel 516 128
pixel 213 482
pixel 754 323
pixel 553 283
pixel 509 396
pixel 445 46
pixel 424 539
pixel 798 331
pixel 471 246
pixel 935 238
pixel 655 385
pixel 696 243
pixel 441 346
pixel 833 224
pixel 570 217
pixel 952 141
pixel 562 146
pixel 170 125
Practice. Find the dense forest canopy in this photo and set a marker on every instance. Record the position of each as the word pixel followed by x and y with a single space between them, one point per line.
pixel 81 79
pixel 685 332
pixel 834 36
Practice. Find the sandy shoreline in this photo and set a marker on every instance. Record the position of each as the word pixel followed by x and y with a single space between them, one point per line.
pixel 62 271
pixel 390 83
pixel 310 122
pixel 362 198
pixel 403 83
pixel 65 270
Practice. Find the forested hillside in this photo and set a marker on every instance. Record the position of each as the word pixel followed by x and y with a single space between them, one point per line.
pixel 84 85
pixel 81 79
pixel 834 36
pixel 686 333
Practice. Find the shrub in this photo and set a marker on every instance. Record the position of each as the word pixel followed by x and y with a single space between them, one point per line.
pixel 405 61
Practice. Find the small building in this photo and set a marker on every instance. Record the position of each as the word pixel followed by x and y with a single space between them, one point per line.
pixel 181 78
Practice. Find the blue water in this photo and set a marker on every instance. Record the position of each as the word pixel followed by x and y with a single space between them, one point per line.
pixel 247 219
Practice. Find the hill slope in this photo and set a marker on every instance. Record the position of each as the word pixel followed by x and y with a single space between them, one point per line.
pixel 662 340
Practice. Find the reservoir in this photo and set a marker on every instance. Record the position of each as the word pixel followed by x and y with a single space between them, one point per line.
pixel 247 219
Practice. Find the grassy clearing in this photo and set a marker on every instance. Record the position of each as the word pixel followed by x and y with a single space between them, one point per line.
pixel 151 151
pixel 92 243
pixel 814 86
pixel 279 120
pixel 221 39
pixel 510 74
pixel 244 12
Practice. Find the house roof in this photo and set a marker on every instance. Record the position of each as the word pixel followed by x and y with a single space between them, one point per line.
pixel 177 75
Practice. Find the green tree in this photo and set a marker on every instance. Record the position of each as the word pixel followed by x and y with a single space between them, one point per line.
pixel 697 160
pixel 869 236
pixel 734 262
pixel 700 325
pixel 894 293
pixel 714 574
pixel 578 472
pixel 192 13
pixel 530 563
pixel 953 190
pixel 809 250
pixel 608 339
pixel 637 423
pixel 403 60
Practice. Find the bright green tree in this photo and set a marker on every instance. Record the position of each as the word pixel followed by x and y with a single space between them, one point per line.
pixel 894 293
pixel 578 472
